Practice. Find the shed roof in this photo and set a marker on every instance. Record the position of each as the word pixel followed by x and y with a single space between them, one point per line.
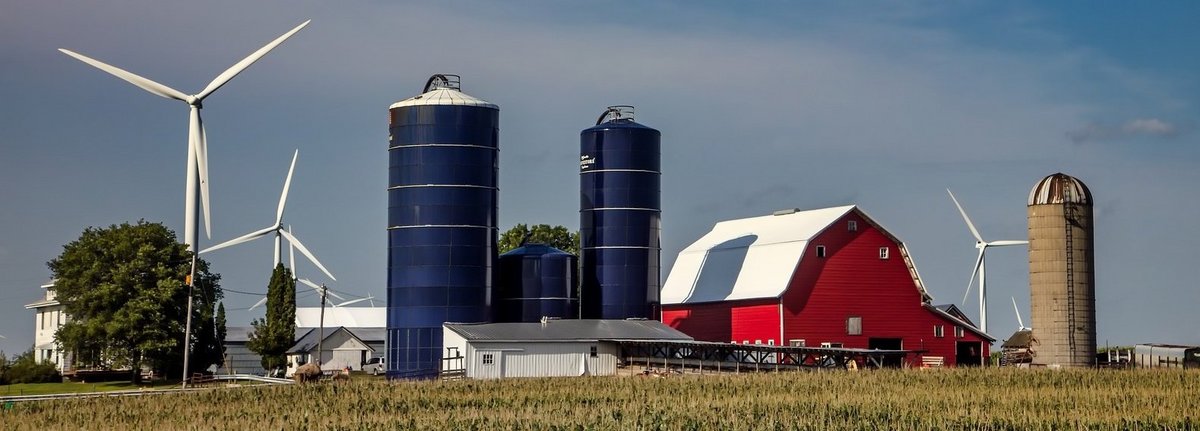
pixel 1022 339
pixel 568 330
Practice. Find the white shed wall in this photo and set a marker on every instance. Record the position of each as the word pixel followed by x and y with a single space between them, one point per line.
pixel 539 359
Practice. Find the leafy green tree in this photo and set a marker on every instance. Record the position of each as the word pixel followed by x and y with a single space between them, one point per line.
pixel 124 288
pixel 221 333
pixel 555 236
pixel 25 369
pixel 276 333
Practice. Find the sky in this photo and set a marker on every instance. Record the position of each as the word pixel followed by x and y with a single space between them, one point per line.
pixel 762 106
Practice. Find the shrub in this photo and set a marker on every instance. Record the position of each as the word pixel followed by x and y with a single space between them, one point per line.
pixel 24 369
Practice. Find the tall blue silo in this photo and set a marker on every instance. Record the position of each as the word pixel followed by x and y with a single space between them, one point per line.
pixel 442 231
pixel 619 217
pixel 535 281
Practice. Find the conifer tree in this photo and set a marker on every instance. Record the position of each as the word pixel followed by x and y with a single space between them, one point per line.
pixel 275 333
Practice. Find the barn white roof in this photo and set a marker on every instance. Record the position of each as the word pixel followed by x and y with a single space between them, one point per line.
pixel 746 258
pixel 350 317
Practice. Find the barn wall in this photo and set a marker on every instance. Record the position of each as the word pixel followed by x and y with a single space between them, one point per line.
pixel 852 281
pixel 723 322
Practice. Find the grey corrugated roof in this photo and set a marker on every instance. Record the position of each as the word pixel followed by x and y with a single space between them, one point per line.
pixel 568 330
pixel 241 334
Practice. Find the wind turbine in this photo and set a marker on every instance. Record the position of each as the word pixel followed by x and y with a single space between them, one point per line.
pixel 980 264
pixel 277 229
pixel 196 193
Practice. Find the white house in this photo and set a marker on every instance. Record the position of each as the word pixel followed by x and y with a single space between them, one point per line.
pixel 342 347
pixel 49 316
pixel 552 348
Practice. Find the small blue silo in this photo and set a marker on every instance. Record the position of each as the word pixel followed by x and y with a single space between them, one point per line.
pixel 442 231
pixel 619 217
pixel 535 281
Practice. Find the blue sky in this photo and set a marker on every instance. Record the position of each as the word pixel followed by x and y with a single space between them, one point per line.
pixel 762 106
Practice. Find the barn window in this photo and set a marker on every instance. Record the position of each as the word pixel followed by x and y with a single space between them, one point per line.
pixel 757 342
pixel 854 325
pixel 796 342
pixel 852 225
pixel 488 359
pixel 939 331
pixel 883 252
pixel 771 342
pixel 958 331
pixel 820 251
pixel 829 345
pixel 745 341
pixel 593 351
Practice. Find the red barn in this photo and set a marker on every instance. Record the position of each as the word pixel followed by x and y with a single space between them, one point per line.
pixel 829 277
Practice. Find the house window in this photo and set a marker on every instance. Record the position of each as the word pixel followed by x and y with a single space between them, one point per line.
pixel 489 358
pixel 820 251
pixel 958 331
pixel 939 331
pixel 796 342
pixel 593 351
pixel 854 325
pixel 883 253
pixel 852 225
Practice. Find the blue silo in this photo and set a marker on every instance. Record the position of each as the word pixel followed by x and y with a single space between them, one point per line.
pixel 535 281
pixel 619 217
pixel 442 231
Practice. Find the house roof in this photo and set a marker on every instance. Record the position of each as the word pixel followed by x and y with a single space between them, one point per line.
pixel 967 325
pixel 568 330
pixel 756 257
pixel 366 336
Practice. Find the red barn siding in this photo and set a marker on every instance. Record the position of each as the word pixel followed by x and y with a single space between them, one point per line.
pixel 726 321
pixel 850 281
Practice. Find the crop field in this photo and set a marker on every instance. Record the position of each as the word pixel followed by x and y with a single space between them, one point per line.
pixel 889 399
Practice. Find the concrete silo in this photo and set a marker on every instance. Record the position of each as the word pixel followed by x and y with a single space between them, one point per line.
pixel 1062 272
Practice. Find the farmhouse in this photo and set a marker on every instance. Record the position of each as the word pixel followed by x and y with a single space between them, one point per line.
pixel 829 277
pixel 551 348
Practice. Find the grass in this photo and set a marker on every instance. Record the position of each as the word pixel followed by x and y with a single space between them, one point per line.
pixel 912 399
pixel 75 387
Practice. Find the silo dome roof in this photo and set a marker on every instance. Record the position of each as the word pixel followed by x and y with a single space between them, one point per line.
pixel 444 96
pixel 1060 188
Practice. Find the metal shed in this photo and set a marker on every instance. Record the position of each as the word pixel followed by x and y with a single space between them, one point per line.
pixel 1166 356
pixel 551 348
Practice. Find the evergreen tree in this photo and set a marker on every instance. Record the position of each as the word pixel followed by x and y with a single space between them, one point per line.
pixel 221 333
pixel 275 333
pixel 125 289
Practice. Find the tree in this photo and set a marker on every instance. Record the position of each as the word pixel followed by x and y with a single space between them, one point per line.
pixel 557 236
pixel 275 333
pixel 124 288
pixel 221 333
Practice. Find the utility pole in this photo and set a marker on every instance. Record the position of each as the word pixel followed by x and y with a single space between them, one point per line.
pixel 187 328
pixel 321 331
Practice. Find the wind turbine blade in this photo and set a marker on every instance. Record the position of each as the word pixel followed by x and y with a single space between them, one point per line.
pixel 291 255
pixel 247 237
pixel 974 272
pixel 130 77
pixel 196 130
pixel 246 62
pixel 1020 324
pixel 965 218
pixel 260 302
pixel 287 184
pixel 304 250
pixel 1005 243
pixel 317 288
pixel 354 301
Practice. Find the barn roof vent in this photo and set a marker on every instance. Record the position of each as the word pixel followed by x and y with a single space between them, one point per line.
pixel 786 211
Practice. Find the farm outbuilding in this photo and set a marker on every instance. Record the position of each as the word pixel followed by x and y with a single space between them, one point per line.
pixel 829 277
pixel 551 348
pixel 342 348
pixel 1166 356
